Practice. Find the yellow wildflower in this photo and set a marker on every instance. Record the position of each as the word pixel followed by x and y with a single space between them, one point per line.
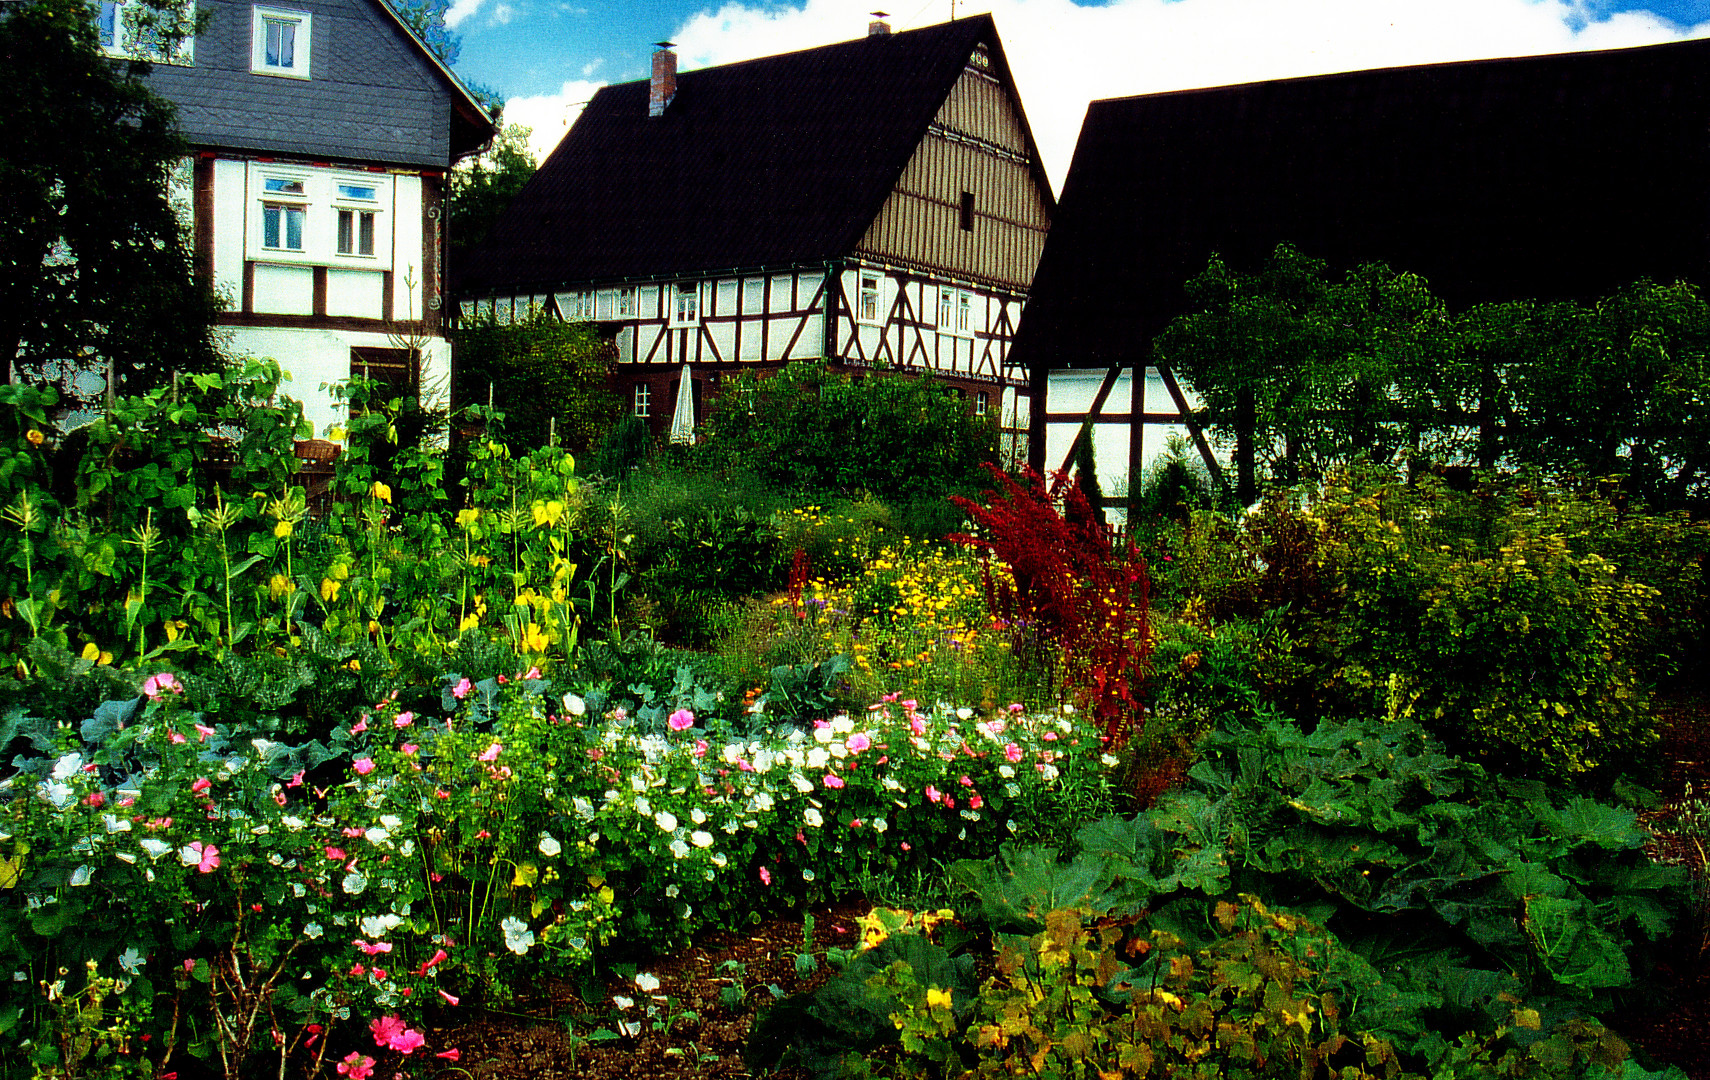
pixel 36 438
pixel 381 491
pixel 279 585
pixel 937 998
pixel 468 516
pixel 329 589
pixel 282 530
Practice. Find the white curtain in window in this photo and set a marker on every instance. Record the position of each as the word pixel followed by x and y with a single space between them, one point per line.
pixel 683 418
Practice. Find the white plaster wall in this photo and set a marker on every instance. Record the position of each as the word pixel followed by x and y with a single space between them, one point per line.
pixel 407 279
pixel 284 290
pixel 358 293
pixel 229 231
pixel 1074 390
pixel 312 358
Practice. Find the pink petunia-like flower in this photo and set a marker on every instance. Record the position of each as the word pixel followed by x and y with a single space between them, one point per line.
pixel 450 1055
pixel 351 832
pixel 700 748
pixel 374 948
pixel 360 726
pixel 201 784
pixel 335 854
pixel 407 1041
pixel 449 998
pixel 532 673
pixel 356 1066
pixel 207 856
pixel 491 753
pixel 833 781
pixel 363 766
pixel 765 876
pixel 385 1029
pixel 295 781
pixel 949 803
pixel 1049 736
pixel 1012 753
pixel 175 737
pixel 403 719
pixel 204 731
pixel 429 964
pixel 358 970
pixel 1016 706
pixel 461 690
pixel 932 794
pixel 917 725
pixel 858 742
pixel 975 801
pixel 408 749
pixel 681 720
pixel 964 781
pixel 160 684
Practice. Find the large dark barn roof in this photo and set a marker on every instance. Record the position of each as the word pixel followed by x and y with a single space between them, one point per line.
pixel 1550 176
pixel 770 162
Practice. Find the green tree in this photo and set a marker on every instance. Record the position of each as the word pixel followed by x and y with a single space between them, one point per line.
pixel 482 186
pixel 546 376
pixel 427 19
pixel 95 266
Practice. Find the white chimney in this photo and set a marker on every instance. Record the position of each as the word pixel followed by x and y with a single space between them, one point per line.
pixel 664 85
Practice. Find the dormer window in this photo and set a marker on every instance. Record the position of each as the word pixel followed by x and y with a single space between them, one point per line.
pixel 281 41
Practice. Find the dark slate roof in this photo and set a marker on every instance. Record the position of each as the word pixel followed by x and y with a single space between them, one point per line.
pixel 1551 176
pixel 777 161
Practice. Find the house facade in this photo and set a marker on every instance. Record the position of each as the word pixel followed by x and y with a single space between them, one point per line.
pixel 877 203
pixel 322 132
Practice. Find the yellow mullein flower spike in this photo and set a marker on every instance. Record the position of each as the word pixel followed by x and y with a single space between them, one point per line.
pixel 470 621
pixel 280 585
pixel 329 590
pixel 468 517
pixel 282 530
pixel 381 491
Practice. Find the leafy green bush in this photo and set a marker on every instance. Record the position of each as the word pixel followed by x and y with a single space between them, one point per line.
pixel 547 376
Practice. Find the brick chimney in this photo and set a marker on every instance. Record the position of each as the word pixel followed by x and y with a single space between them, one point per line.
pixel 664 85
pixel 879 27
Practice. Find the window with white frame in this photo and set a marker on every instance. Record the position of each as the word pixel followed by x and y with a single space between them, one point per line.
pixel 642 400
pixel 624 304
pixel 130 29
pixel 867 299
pixel 964 312
pixel 576 306
pixel 357 205
pixel 686 305
pixel 315 215
pixel 982 402
pixel 955 311
pixel 280 42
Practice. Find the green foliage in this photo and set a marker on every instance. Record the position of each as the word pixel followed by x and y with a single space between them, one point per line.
pixel 95 265
pixel 482 186
pixel 817 431
pixel 545 375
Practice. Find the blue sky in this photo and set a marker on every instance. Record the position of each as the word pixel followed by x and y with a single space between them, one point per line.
pixel 546 57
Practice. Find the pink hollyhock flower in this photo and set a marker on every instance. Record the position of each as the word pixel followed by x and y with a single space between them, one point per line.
pixel 429 964
pixel 207 856
pixel 360 726
pixel 1012 753
pixel 204 731
pixel 363 766
pixel 450 1055
pixel 160 684
pixel 765 876
pixel 356 1066
pixel 975 801
pixel 932 793
pixel 833 781
pixel 202 784
pixel 403 719
pixel 385 1029
pixel 408 749
pixel 449 1000
pixel 681 720
pixel 858 742
pixel 491 753
pixel 964 781
pixel 335 854
pixel 461 690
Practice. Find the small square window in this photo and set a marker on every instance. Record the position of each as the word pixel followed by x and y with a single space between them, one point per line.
pixel 868 301
pixel 281 43
pixel 982 402
pixel 643 396
pixel 686 311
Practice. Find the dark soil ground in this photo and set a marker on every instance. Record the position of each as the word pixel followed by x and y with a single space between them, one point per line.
pixel 536 1043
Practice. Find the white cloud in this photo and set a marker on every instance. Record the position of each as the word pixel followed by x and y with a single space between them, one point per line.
pixel 550 115
pixel 503 14
pixel 1064 55
pixel 461 11
pixel 592 66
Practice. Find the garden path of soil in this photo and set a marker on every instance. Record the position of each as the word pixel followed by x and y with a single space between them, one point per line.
pixel 540 1047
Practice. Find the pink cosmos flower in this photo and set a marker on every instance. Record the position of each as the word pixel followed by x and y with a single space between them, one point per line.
pixel 385 1029
pixel 204 731
pixel 949 803
pixel 160 684
pixel 407 1041
pixel 917 724
pixel 202 784
pixel 932 793
pixel 975 801
pixel 532 673
pixel 356 1066
pixel 363 766
pixel 681 720
pixel 449 999
pixel 700 748
pixel 207 856
pixel 351 832
pixel 964 781
pixel 408 749
pixel 910 704
pixel 765 876
pixel 430 964
pixel 833 781
pixel 1016 706
pixel 858 742
pixel 491 753
pixel 461 690
pixel 360 726
pixel 819 725
pixel 450 1055
pixel 1012 753
pixel 335 854
pixel 373 949
pixel 403 719
pixel 176 737
pixel 889 697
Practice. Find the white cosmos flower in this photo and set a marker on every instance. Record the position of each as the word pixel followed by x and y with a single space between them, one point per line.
pixel 355 882
pixel 679 849
pixel 878 824
pixel 763 799
pixel 698 816
pixel 518 937
pixel 719 860
pixel 817 757
pixel 701 839
pixel 646 983
pixel 623 1002
pixel 68 766
pixel 666 821
pixel 1107 760
pixel 116 824
pixel 549 845
pixel 644 808
pixel 801 783
pixel 823 735
pixel 811 816
pixel 842 725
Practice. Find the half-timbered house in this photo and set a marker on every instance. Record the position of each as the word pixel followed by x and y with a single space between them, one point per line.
pixel 877 203
pixel 321 133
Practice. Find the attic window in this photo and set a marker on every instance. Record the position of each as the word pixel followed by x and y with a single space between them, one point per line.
pixel 966 219
pixel 279 43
